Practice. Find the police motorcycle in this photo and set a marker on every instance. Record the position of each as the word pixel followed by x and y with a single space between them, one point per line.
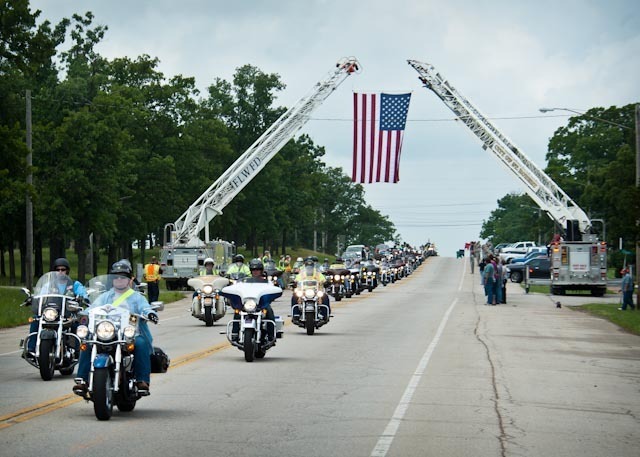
pixel 308 309
pixel 249 301
pixel 385 273
pixel 355 280
pixel 208 305
pixel 370 273
pixel 338 279
pixel 55 308
pixel 111 330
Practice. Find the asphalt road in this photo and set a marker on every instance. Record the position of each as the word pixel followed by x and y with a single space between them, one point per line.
pixel 419 368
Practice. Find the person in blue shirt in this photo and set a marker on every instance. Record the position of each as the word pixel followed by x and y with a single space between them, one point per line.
pixel 626 287
pixel 64 285
pixel 121 294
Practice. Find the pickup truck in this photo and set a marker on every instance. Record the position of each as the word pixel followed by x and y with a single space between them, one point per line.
pixel 516 250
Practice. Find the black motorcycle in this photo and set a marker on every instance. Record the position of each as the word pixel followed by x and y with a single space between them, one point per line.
pixel 56 310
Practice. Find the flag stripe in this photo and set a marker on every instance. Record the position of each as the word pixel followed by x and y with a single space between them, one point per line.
pixel 355 138
pixel 379 122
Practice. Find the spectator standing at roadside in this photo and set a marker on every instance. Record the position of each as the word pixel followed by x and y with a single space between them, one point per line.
pixel 472 254
pixel 498 284
pixel 152 272
pixel 488 275
pixel 626 287
pixel 481 265
pixel 503 282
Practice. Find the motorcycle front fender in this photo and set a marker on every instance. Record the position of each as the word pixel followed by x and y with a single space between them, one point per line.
pixel 102 361
pixel 47 334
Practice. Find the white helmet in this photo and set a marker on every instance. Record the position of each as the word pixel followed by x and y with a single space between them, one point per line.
pixel 209 260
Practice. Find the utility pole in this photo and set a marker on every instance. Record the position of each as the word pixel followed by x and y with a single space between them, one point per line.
pixel 29 235
pixel 637 221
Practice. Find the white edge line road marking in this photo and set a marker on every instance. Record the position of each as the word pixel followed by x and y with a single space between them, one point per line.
pixel 385 440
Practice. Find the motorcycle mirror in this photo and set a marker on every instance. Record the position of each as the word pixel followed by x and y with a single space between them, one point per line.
pixel 157 305
pixel 26 291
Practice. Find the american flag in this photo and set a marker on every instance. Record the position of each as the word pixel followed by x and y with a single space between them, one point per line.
pixel 378 127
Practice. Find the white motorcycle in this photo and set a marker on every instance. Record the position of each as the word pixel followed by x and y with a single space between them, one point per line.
pixel 307 306
pixel 208 305
pixel 250 331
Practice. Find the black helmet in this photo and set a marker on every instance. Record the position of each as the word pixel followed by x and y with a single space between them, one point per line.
pixel 61 262
pixel 121 267
pixel 238 258
pixel 309 261
pixel 256 264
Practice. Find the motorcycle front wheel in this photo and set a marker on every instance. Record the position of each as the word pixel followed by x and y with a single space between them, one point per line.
pixel 47 359
pixel 102 394
pixel 309 323
pixel 249 352
pixel 208 316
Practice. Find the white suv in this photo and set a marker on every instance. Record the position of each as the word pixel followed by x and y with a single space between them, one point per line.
pixel 516 250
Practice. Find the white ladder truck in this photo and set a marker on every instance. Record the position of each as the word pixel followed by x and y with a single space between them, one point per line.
pixel 183 251
pixel 580 261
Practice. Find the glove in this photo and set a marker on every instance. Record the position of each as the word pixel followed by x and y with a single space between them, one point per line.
pixel 153 317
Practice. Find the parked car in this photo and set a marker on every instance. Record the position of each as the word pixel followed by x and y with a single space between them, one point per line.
pixel 539 267
pixel 499 247
pixel 516 250
pixel 533 252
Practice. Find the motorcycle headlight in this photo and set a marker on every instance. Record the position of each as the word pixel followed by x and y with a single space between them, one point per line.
pixel 320 293
pixel 309 293
pixel 336 277
pixel 50 314
pixel 250 305
pixel 129 331
pixel 298 293
pixel 208 289
pixel 105 330
pixel 82 331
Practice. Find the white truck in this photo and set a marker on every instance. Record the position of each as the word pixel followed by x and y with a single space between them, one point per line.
pixel 183 251
pixel 579 262
pixel 516 250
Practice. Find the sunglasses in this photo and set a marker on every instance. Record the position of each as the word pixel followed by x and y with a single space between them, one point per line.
pixel 61 269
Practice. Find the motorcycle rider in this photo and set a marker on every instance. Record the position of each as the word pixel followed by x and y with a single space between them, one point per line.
pixel 209 267
pixel 238 266
pixel 64 284
pixel 256 269
pixel 309 271
pixel 121 294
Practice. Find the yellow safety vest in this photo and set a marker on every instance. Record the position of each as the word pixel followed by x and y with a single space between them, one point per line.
pixel 152 272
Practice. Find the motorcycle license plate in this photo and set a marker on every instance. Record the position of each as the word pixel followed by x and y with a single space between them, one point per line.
pixel 208 300
pixel 309 308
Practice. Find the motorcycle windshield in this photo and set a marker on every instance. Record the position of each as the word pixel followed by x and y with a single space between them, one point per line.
pixel 54 282
pixel 262 293
pixel 52 290
pixel 118 316
pixel 217 282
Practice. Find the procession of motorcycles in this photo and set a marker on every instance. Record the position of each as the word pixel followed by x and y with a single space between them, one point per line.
pixel 84 326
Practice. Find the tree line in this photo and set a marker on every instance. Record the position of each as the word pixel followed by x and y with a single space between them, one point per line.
pixel 120 150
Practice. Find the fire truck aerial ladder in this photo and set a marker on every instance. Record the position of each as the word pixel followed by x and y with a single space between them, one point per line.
pixel 183 252
pixel 579 262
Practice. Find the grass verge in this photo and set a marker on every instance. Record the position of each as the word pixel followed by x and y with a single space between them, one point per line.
pixel 628 320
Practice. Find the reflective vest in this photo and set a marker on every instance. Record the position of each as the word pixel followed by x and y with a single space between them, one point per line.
pixel 152 272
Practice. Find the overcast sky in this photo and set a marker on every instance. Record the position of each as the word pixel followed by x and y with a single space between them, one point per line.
pixel 509 58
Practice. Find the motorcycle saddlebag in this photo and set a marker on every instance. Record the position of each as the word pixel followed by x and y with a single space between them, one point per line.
pixel 159 361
